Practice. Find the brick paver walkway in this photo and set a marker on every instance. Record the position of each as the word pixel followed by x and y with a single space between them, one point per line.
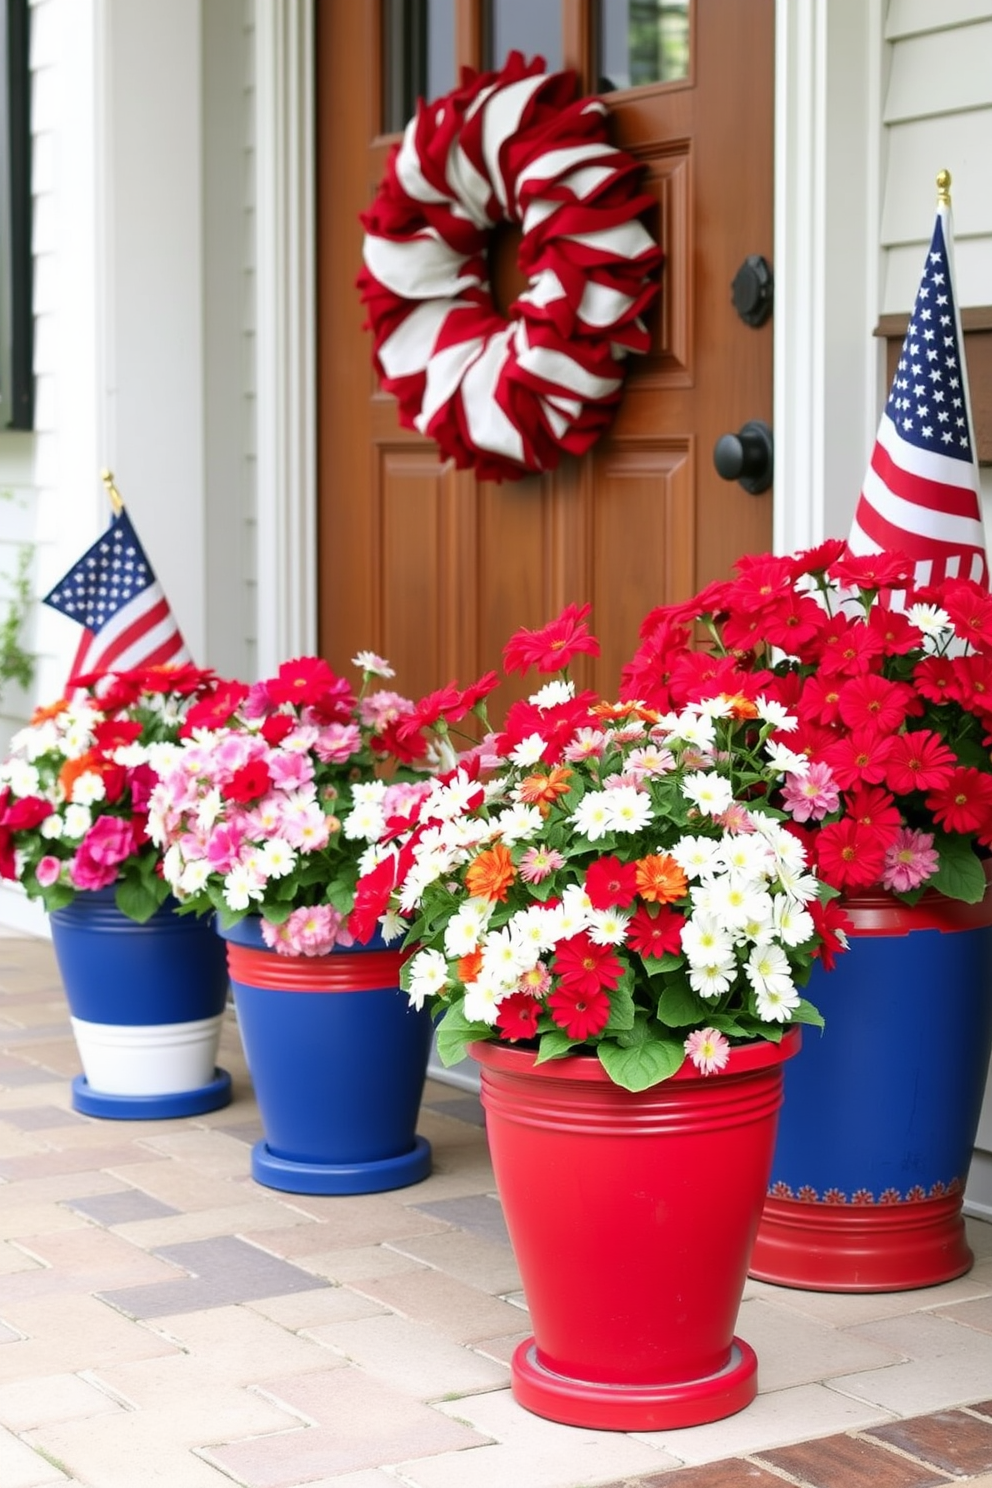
pixel 166 1321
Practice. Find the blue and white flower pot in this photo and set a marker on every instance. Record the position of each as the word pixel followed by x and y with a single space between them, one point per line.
pixel 146 1003
pixel 338 1059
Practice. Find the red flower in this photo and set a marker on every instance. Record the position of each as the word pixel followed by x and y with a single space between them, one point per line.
pixel 275 728
pixel 918 760
pixel 582 1014
pixel 582 964
pixel 249 783
pixel 820 699
pixel 553 647
pixel 655 933
pixel 115 733
pixel 817 560
pixel 874 702
pixel 792 621
pixel 213 711
pixel 964 804
pixel 891 570
pixel 970 608
pixel 896 633
pixel 556 725
pixel 844 648
pixel 517 1016
pixel 861 756
pixel 831 924
pixel 875 812
pixel 934 679
pixel 610 882
pixel 847 856
pixel 371 900
pixel 308 682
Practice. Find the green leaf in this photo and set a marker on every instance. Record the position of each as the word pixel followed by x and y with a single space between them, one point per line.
pixel 960 874
pixel 679 1006
pixel 553 1045
pixel 136 899
pixel 807 1013
pixel 621 1008
pixel 660 965
pixel 642 1065
pixel 455 1033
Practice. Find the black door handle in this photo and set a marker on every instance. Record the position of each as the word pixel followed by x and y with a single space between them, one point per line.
pixel 747 456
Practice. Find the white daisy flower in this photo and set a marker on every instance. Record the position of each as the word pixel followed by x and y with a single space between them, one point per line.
pixel 712 978
pixel 705 940
pixel 698 857
pixel 787 760
pixel 793 925
pixel 528 751
pixel 88 788
pixel 770 711
pixel 428 975
pixel 710 793
pixel 367 661
pixel 767 969
pixel 78 820
pixel 608 926
pixel 591 816
pixel 518 824
pixel 366 823
pixel 930 619
pixel 552 694
pixel 276 858
pixel 241 887
pixel 627 808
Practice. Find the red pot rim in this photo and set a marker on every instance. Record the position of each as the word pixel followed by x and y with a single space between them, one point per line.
pixel 585 1067
pixel 876 912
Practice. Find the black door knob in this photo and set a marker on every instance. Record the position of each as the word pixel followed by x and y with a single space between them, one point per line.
pixel 753 290
pixel 746 457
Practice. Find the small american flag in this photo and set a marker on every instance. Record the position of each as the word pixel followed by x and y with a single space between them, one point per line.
pixel 921 494
pixel 112 592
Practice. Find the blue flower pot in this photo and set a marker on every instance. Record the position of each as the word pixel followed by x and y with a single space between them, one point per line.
pixel 338 1059
pixel 881 1109
pixel 146 1003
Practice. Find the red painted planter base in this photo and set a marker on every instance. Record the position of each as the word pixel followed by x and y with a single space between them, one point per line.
pixel 853 1248
pixel 629 1407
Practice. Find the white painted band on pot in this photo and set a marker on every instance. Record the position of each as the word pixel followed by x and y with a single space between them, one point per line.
pixel 154 1059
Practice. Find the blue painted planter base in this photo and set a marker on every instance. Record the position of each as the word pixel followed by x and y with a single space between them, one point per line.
pixel 209 1097
pixel 298 1176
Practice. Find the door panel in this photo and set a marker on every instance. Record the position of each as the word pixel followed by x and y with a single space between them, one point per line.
pixel 434 569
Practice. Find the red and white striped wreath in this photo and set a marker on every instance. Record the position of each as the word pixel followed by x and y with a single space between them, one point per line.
pixel 508 396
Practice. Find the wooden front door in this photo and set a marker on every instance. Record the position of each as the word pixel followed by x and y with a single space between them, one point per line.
pixel 434 569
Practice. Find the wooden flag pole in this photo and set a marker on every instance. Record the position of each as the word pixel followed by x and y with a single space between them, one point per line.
pixel 115 496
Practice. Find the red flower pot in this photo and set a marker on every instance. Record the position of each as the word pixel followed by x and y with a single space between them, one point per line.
pixel 632 1218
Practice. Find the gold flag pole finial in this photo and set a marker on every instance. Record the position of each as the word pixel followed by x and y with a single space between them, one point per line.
pixel 943 188
pixel 115 496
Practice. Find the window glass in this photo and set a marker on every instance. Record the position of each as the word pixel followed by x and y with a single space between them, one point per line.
pixel 418 56
pixel 529 26
pixel 642 41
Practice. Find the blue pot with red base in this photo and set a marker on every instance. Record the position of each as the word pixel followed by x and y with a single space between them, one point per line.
pixel 146 1003
pixel 338 1060
pixel 881 1109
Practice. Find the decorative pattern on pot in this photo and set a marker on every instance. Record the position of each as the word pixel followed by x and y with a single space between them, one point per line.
pixel 146 1002
pixel 882 1110
pixel 338 1061
pixel 661 1191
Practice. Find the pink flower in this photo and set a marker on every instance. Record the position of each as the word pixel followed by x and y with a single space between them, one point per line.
pixel 224 846
pixel 338 742
pixel 538 863
pixel 288 771
pixel 308 932
pixel 707 1049
pixel 910 861
pixel 107 843
pixel 811 796
pixel 47 871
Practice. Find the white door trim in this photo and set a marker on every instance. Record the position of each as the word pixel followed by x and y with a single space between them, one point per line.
pixel 285 340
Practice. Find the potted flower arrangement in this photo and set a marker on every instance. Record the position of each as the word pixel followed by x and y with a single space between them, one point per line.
pixel 605 912
pixel 891 688
pixel 146 989
pixel 266 815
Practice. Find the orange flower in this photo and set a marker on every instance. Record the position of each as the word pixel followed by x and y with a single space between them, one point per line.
pixel 625 710
pixel 49 710
pixel 741 706
pixel 660 880
pixel 469 967
pixel 492 873
pixel 544 790
pixel 73 768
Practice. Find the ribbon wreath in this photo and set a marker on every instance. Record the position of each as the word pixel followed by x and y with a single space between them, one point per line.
pixel 508 395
